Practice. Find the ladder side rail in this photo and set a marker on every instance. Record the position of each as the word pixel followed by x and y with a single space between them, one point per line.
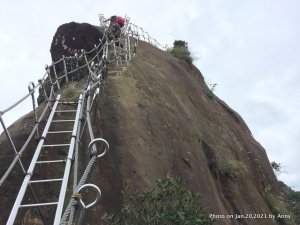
pixel 64 184
pixel 26 180
pixel 76 157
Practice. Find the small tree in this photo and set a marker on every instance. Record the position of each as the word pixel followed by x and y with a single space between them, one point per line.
pixel 180 50
pixel 277 167
pixel 180 44
pixel 167 203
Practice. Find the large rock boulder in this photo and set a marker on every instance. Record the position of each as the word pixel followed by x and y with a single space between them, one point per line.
pixel 72 37
pixel 69 39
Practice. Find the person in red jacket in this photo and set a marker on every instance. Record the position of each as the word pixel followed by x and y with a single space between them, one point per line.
pixel 114 29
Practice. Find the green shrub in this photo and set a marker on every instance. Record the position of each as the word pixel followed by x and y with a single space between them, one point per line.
pixel 180 50
pixel 277 167
pixel 231 168
pixel 167 204
pixel 180 43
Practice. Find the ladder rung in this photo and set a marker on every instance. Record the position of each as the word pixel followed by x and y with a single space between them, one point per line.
pixel 38 204
pixel 60 132
pixel 59 121
pixel 52 161
pixel 46 181
pixel 63 111
pixel 68 103
pixel 56 145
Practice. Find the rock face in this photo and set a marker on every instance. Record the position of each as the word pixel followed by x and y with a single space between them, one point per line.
pixel 160 120
pixel 69 39
pixel 72 37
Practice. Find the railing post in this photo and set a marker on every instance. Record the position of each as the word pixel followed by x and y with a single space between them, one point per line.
pixel 77 65
pixel 43 87
pixel 127 24
pixel 129 48
pixel 90 67
pixel 101 20
pixel 87 63
pixel 97 55
pixel 116 57
pixel 65 69
pixel 134 50
pixel 55 74
pixel 31 90
pixel 149 40
pixel 50 79
pixel 126 48
pixel 104 69
pixel 143 34
pixel 48 72
pixel 106 50
pixel 119 52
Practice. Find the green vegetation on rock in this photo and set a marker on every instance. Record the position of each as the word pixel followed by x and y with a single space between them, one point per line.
pixel 181 51
pixel 167 203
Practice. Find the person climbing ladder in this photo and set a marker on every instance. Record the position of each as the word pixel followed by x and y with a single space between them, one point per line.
pixel 115 26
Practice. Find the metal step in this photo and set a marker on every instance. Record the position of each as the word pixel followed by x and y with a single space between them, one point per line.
pixel 55 145
pixel 68 103
pixel 65 111
pixel 61 121
pixel 51 161
pixel 46 181
pixel 60 132
pixel 38 204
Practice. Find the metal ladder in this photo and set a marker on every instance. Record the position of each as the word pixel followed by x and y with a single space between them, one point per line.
pixel 39 160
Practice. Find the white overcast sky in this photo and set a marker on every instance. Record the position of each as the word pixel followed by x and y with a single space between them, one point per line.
pixel 250 48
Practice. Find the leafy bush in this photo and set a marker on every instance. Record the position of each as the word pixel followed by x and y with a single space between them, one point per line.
pixel 167 204
pixel 277 167
pixel 180 43
pixel 231 168
pixel 180 50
